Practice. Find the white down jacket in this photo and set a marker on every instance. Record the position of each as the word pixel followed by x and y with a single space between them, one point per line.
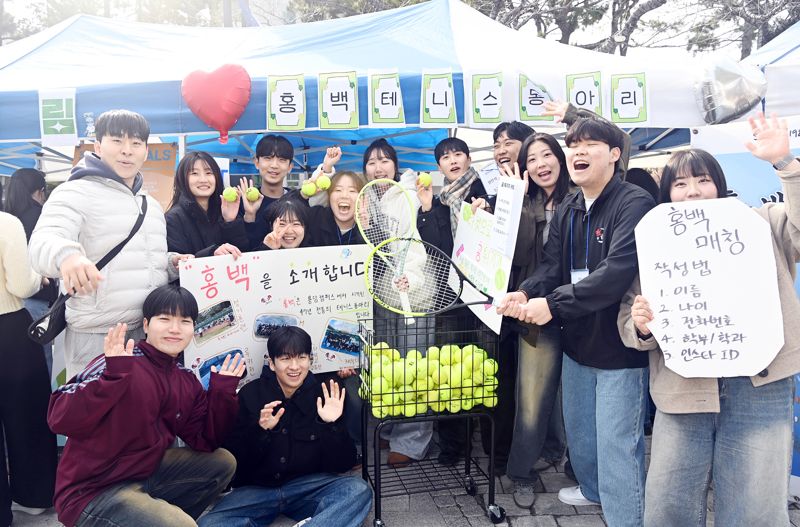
pixel 90 214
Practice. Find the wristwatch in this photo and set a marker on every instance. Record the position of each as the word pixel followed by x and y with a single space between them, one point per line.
pixel 784 162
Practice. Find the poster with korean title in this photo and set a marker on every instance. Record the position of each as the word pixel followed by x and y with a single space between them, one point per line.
pixel 386 99
pixel 708 271
pixel 320 289
pixel 484 248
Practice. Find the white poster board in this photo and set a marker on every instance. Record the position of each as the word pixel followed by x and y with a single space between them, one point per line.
pixel 483 248
pixel 708 270
pixel 241 302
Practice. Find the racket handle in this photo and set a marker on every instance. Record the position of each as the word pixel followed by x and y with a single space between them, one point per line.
pixel 407 308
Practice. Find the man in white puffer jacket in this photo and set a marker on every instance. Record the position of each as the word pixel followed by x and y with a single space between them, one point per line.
pixel 88 216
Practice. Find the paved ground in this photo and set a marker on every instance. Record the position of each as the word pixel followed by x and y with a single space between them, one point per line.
pixel 454 507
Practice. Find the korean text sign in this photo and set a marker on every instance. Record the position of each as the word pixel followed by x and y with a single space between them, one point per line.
pixel 707 269
pixel 320 289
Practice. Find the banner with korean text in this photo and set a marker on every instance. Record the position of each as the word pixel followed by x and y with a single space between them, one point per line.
pixel 319 289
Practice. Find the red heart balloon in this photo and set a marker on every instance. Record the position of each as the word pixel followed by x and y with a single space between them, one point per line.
pixel 218 98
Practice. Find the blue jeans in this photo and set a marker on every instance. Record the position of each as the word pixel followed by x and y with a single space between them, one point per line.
pixel 746 449
pixel 178 491
pixel 538 424
pixel 604 415
pixel 328 499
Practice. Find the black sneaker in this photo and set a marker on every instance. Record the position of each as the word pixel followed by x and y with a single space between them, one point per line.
pixel 448 459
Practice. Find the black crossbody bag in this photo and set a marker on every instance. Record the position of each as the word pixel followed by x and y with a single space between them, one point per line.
pixel 45 329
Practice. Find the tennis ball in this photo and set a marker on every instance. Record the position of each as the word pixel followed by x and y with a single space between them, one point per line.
pixel 477 378
pixel 445 393
pixel 395 355
pixel 380 411
pixel 308 189
pixel 381 346
pixel 380 386
pixel 388 399
pixel 396 410
pixel 413 356
pixel 323 182
pixel 425 179
pixel 398 372
pixel 421 384
pixel 444 356
pixel 489 367
pixel 439 375
pixel 468 403
pixel 490 400
pixel 454 406
pixel 410 372
pixel 467 387
pixel 478 393
pixel 229 194
pixel 467 359
pixel 410 409
pixel 433 353
pixel 422 368
pixel 252 194
pixel 456 376
pixel 489 384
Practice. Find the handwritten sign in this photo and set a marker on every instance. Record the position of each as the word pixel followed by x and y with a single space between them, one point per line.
pixel 241 302
pixel 486 96
pixel 57 123
pixel 286 103
pixel 338 100
pixel 386 100
pixel 483 248
pixel 708 270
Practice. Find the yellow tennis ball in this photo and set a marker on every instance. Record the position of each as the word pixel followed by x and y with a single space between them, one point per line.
pixel 323 182
pixel 425 179
pixel 308 189
pixel 252 194
pixel 229 194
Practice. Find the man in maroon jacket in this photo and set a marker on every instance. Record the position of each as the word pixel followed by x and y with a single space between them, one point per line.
pixel 121 416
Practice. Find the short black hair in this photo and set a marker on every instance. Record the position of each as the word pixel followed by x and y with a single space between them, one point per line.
pixel 181 182
pixel 514 130
pixel 595 130
pixel 288 340
pixel 450 144
pixel 383 147
pixel 275 146
pixel 288 207
pixel 119 123
pixel 695 162
pixel 170 299
pixel 642 178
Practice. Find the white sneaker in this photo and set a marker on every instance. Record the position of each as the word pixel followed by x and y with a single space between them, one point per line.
pixel 33 511
pixel 302 522
pixel 574 496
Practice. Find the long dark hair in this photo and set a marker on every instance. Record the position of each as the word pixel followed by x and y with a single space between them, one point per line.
pixel 692 162
pixel 20 188
pixel 562 183
pixel 181 186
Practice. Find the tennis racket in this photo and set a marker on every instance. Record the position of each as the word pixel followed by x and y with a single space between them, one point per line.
pixel 429 278
pixel 386 216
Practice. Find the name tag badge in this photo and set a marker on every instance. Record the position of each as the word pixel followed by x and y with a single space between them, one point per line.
pixel 578 275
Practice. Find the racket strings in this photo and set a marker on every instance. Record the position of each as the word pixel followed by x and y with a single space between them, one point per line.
pixel 383 211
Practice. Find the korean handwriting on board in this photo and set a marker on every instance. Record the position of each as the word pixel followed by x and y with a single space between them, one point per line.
pixel 329 272
pixel 718 240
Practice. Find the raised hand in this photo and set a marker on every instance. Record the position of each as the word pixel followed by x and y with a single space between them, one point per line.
pixel 250 207
pixel 273 239
pixel 333 406
pixel 114 343
pixel 267 420
pixel 425 195
pixel 641 314
pixel 232 368
pixel 512 171
pixel 332 156
pixel 230 209
pixel 557 109
pixel 227 248
pixel 770 138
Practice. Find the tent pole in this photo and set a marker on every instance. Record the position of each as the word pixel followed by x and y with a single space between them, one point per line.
pixel 181 146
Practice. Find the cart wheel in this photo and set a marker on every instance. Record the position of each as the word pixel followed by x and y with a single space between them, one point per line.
pixel 469 486
pixel 496 513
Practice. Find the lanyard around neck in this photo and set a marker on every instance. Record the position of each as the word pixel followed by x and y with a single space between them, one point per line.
pixel 571 239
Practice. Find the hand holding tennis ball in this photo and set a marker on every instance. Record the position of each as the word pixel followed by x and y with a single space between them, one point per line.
pixel 308 189
pixel 323 182
pixel 252 194
pixel 424 179
pixel 230 194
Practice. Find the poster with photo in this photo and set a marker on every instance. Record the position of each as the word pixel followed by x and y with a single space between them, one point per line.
pixel 319 289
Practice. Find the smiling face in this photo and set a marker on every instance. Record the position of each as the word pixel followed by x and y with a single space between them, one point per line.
pixel 201 180
pixel 379 166
pixel 543 166
pixel 273 169
pixel 690 187
pixel 291 371
pixel 506 150
pixel 591 165
pixel 291 229
pixel 124 154
pixel 170 334
pixel 342 199
pixel 454 164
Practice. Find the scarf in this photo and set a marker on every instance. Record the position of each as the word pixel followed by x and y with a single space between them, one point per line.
pixel 454 193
